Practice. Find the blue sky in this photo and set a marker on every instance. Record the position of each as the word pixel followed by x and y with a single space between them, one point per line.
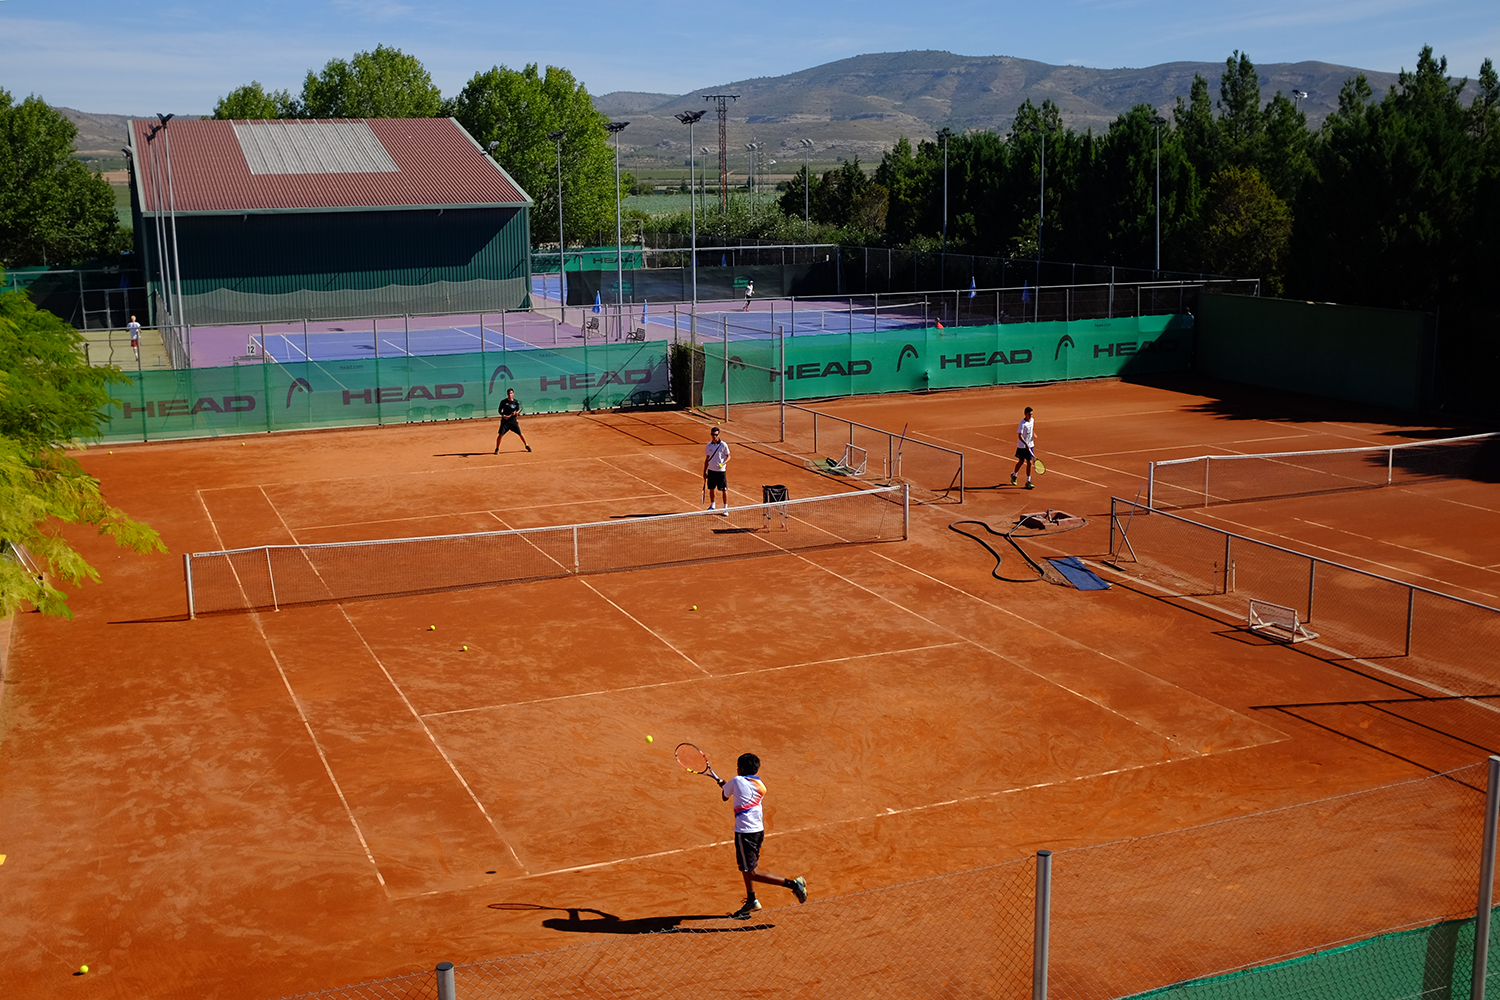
pixel 139 56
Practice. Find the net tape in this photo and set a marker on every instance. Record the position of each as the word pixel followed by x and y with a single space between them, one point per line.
pixel 270 576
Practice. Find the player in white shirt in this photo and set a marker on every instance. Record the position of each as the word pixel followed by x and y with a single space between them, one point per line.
pixel 134 329
pixel 746 792
pixel 715 462
pixel 1025 447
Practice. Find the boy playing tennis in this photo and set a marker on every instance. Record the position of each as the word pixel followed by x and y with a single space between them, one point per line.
pixel 1025 447
pixel 510 413
pixel 746 792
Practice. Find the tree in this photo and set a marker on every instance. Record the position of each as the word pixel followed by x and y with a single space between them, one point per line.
pixel 254 101
pixel 50 397
pixel 516 110
pixel 1244 229
pixel 385 83
pixel 52 210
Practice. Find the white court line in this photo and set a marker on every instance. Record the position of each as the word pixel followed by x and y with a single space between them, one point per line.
pixel 487 511
pixel 302 714
pixel 1160 448
pixel 1051 470
pixel 647 628
pixel 980 796
pixel 438 746
pixel 695 680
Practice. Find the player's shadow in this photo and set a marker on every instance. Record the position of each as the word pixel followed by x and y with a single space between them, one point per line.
pixel 607 923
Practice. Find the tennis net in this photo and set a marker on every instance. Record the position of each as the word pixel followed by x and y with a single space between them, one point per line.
pixel 275 576
pixel 1212 479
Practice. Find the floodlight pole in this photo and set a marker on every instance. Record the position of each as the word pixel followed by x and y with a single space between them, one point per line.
pixel 690 118
pixel 562 260
pixel 1158 121
pixel 806 190
pixel 945 134
pixel 158 197
pixel 614 129
pixel 172 212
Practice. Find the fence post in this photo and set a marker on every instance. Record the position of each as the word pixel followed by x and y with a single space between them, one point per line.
pixel 1043 927
pixel 1411 607
pixel 781 336
pixel 1150 479
pixel 1228 555
pixel 1312 576
pixel 187 573
pixel 905 511
pixel 445 986
pixel 1390 462
pixel 1486 881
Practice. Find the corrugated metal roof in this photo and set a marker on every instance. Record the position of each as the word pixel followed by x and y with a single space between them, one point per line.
pixel 305 165
pixel 316 147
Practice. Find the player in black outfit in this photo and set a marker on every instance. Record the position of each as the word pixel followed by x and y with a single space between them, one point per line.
pixel 510 409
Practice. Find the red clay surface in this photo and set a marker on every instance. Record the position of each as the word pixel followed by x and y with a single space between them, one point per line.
pixel 249 805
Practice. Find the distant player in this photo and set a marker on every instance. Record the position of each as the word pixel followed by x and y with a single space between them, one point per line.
pixel 135 337
pixel 749 292
pixel 1025 447
pixel 510 412
pixel 715 466
pixel 746 793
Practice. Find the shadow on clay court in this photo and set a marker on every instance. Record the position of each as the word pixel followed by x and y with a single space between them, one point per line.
pixel 607 923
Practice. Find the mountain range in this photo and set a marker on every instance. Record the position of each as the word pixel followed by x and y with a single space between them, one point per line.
pixel 860 106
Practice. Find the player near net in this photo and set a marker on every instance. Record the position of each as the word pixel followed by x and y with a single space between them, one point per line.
pixel 715 466
pixel 745 792
pixel 510 413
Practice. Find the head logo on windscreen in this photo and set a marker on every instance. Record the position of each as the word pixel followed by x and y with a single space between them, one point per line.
pixel 498 372
pixel 907 351
pixel 1066 341
pixel 298 384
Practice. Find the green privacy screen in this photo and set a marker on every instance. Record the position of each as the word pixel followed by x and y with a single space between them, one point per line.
pixel 243 399
pixel 904 360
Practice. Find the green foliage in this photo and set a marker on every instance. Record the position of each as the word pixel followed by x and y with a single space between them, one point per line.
pixel 52 210
pixel 254 101
pixel 49 397
pixel 1244 228
pixel 516 109
pixel 385 83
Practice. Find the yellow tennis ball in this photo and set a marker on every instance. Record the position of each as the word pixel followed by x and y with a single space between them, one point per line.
pixel 432 628
pixel 83 968
pixel 650 740
pixel 694 608
pixel 465 648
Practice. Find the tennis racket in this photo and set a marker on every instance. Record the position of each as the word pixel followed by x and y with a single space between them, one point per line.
pixel 695 760
pixel 1036 464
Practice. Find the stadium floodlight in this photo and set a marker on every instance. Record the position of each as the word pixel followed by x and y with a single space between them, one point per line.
pixel 807 146
pixel 614 129
pixel 562 261
pixel 691 118
pixel 1041 211
pixel 172 213
pixel 1158 121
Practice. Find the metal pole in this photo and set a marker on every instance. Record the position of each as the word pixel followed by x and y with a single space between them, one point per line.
pixel 726 369
pixel 187 573
pixel 1411 607
pixel 693 212
pixel 781 333
pixel 1150 483
pixel 446 990
pixel 271 576
pixel 172 210
pixel 1312 582
pixel 562 260
pixel 905 511
pixel 1486 881
pixel 1043 928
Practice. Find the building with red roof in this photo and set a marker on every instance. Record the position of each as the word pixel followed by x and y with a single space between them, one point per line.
pixel 316 219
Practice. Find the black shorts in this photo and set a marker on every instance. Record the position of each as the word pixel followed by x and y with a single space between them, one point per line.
pixel 747 850
pixel 509 424
pixel 717 480
pixel 1024 453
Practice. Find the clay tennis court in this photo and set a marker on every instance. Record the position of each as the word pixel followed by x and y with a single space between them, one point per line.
pixel 261 803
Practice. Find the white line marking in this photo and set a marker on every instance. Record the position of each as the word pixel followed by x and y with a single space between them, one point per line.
pixel 654 634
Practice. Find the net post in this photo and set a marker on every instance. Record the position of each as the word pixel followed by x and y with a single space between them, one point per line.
pixel 1042 930
pixel 1312 577
pixel 1390 463
pixel 905 511
pixel 271 575
pixel 1150 482
pixel 1411 607
pixel 1486 880
pixel 446 989
pixel 1112 522
pixel 575 548
pixel 187 575
pixel 1206 463
pixel 1228 555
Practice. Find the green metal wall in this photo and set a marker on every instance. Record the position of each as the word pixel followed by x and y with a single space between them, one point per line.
pixel 260 268
pixel 1344 352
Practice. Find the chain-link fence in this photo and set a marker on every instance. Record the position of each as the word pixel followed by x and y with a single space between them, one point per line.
pixel 1444 641
pixel 1125 917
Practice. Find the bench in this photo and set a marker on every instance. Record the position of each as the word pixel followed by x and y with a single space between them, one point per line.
pixel 1278 622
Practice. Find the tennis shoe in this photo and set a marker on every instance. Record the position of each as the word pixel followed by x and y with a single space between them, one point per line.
pixel 1013 479
pixel 747 908
pixel 528 447
pixel 1028 486
pixel 799 888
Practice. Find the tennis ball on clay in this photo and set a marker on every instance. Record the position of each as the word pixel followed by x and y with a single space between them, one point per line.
pixel 693 608
pixel 464 648
pixel 432 628
pixel 83 968
pixel 650 740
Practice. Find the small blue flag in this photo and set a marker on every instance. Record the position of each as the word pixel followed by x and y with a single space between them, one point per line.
pixel 1025 292
pixel 596 302
pixel 971 288
pixel 644 304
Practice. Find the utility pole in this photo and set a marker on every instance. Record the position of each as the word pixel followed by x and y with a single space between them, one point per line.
pixel 722 103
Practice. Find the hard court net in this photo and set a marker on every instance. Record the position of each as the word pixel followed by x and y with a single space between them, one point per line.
pixel 272 576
